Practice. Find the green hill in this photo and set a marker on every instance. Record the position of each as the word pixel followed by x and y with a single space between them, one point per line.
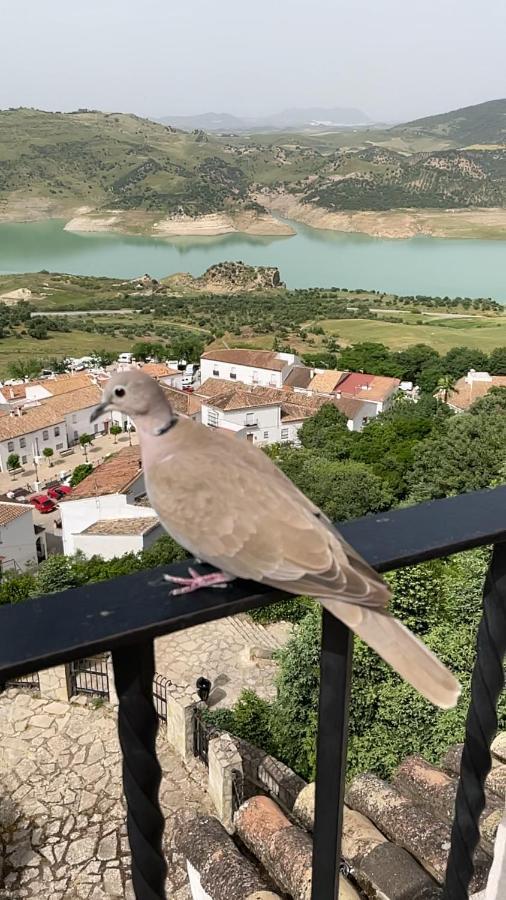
pixel 112 161
pixel 484 123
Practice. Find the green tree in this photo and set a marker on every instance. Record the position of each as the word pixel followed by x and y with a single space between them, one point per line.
pixel 445 384
pixel 497 361
pixel 468 454
pixel 80 473
pixel 327 433
pixel 25 368
pixel 56 573
pixel 104 357
pixel 13 461
pixel 85 440
pixel 343 490
pixel 115 430
pixel 48 452
pixel 459 360
pixel 414 360
pixel 15 588
pixel 375 359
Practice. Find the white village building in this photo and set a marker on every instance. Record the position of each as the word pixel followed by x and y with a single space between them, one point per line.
pixel 18 541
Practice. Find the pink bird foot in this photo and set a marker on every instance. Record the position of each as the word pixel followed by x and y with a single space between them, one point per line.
pixel 196 581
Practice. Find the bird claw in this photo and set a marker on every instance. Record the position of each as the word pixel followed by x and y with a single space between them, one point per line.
pixel 195 582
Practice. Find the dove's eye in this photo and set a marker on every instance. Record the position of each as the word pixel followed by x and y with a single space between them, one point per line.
pixel 119 392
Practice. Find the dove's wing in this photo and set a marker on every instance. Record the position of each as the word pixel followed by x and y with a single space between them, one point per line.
pixel 232 507
pixel 252 522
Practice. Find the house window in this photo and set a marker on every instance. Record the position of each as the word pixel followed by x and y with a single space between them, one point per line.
pixel 216 372
pixel 22 442
pixel 251 419
pixel 266 435
pixel 254 377
pixel 285 434
pixel 76 435
pixel 59 446
pixel 212 418
pixel 233 373
pixel 272 381
pixel 10 446
pixel 24 460
pixel 45 435
pixel 57 431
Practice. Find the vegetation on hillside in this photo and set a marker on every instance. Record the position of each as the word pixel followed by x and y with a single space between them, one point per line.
pixel 123 162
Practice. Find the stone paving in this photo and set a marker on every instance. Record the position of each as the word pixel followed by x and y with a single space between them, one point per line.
pixel 62 831
pixel 220 651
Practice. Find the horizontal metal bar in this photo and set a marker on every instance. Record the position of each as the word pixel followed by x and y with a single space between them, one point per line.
pixel 101 616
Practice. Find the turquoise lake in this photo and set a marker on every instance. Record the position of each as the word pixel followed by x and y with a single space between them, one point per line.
pixel 311 258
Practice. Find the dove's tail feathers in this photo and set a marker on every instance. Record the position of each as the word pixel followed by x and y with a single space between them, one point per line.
pixel 401 649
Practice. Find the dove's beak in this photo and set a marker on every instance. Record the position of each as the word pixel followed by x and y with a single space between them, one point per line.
pixel 101 408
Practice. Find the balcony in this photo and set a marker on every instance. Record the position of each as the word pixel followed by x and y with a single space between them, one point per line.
pixel 126 614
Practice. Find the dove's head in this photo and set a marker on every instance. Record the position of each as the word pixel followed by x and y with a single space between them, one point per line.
pixel 138 396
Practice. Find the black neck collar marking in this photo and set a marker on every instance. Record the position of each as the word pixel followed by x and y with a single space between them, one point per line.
pixel 163 429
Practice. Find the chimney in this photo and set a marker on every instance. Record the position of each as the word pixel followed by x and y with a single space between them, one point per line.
pixel 19 411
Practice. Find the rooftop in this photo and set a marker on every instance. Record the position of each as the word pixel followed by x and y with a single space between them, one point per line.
pixel 368 387
pixel 326 382
pixel 59 384
pixel 299 376
pixel 258 359
pixel 113 476
pixel 159 370
pixel 467 390
pixel 11 511
pixel 139 525
pixel 185 403
pixel 48 412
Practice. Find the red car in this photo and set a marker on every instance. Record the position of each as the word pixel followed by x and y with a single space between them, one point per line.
pixel 59 491
pixel 42 503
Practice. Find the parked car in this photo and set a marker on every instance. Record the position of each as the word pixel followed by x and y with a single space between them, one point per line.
pixel 42 503
pixel 59 491
pixel 20 494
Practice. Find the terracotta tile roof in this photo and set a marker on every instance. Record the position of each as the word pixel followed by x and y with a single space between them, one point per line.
pixel 349 406
pixel 326 382
pixel 113 476
pixel 300 376
pixel 258 359
pixel 186 403
pixel 49 412
pixel 368 387
pixel 465 394
pixel 158 370
pixel 60 384
pixel 11 511
pixel 140 525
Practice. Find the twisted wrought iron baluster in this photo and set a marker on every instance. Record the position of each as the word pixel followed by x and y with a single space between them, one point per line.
pixel 486 686
pixel 134 669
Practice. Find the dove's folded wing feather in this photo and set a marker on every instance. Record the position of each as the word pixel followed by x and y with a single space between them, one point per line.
pixel 252 522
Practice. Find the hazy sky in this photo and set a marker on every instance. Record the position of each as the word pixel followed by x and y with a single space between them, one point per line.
pixel 395 59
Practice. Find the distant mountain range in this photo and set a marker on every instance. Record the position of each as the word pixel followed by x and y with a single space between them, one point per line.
pixel 313 118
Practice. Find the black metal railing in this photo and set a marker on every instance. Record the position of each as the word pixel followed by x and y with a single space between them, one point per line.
pixel 125 615
pixel 89 676
pixel 202 733
pixel 160 685
pixel 29 682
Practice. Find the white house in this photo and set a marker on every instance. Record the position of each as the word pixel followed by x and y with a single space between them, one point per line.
pixel 262 367
pixel 106 514
pixel 18 549
pixel 115 537
pixel 56 423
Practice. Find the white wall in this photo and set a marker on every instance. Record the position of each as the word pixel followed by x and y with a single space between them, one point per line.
pixel 76 515
pixel 34 444
pixel 80 422
pixel 246 374
pixel 263 422
pixel 111 545
pixel 17 542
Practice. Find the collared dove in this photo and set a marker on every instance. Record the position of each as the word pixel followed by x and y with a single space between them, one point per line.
pixel 229 505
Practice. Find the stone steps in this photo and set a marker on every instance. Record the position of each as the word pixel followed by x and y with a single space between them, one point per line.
pixel 252 634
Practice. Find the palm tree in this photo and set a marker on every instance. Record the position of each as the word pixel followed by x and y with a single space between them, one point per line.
pixel 445 385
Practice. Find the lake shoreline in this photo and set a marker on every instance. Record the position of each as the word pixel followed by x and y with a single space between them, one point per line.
pixel 395 224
